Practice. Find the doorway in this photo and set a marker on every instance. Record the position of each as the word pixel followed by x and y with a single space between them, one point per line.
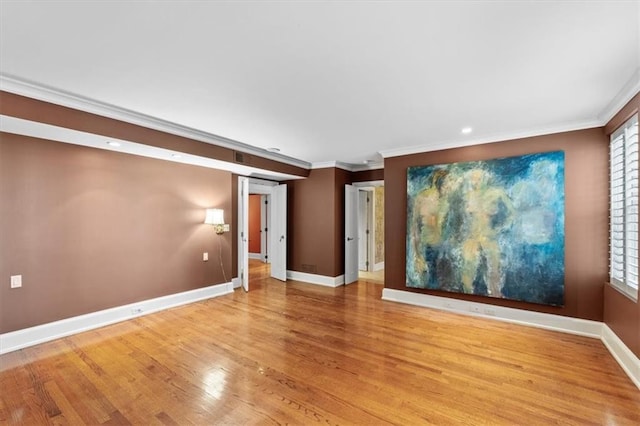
pixel 259 227
pixel 262 210
pixel 371 232
pixel 364 222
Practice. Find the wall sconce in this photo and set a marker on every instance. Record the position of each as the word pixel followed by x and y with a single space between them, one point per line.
pixel 215 217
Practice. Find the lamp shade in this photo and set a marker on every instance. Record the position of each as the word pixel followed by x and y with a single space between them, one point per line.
pixel 214 217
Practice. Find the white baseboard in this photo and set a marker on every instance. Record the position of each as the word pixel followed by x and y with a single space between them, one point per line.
pixel 237 282
pixel 577 326
pixel 256 256
pixel 629 362
pixel 378 266
pixel 316 279
pixel 19 339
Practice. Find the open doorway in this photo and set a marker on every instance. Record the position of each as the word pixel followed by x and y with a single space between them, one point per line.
pixel 364 232
pixel 267 240
pixel 371 232
pixel 258 227
pixel 259 264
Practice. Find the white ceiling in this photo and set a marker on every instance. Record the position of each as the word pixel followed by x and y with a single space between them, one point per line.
pixel 325 81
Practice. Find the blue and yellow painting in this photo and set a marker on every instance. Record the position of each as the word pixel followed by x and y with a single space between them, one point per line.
pixel 492 228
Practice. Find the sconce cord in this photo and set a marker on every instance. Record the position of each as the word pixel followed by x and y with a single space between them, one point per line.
pixel 220 256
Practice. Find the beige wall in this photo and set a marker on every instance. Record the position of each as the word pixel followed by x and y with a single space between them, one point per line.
pixel 379 223
pixel 90 229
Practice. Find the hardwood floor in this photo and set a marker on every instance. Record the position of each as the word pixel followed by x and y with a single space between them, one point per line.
pixel 305 354
pixel 374 277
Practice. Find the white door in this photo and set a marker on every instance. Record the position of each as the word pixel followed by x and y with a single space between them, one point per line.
pixel 350 234
pixel 264 228
pixel 278 232
pixel 243 231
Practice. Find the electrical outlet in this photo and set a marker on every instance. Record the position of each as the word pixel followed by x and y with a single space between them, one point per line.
pixel 490 311
pixel 16 281
pixel 205 256
pixel 136 311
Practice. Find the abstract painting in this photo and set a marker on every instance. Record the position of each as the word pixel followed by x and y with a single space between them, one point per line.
pixel 492 228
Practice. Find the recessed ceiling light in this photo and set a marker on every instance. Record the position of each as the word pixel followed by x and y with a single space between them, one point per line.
pixel 466 130
pixel 273 149
pixel 176 156
pixel 114 144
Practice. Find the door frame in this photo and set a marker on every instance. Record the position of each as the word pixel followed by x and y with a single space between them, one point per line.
pixel 366 222
pixel 262 187
pixel 368 185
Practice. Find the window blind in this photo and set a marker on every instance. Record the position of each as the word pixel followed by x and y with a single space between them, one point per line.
pixel 623 204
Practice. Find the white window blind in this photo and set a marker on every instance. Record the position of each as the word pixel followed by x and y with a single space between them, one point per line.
pixel 623 204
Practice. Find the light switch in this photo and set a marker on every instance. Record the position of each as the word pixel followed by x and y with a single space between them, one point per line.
pixel 226 227
pixel 16 281
pixel 205 256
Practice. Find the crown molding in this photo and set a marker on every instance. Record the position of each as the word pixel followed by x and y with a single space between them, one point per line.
pixel 628 91
pixel 348 166
pixel 369 166
pixel 31 89
pixel 56 96
pixel 39 130
pixel 323 164
pixel 457 143
pixel 334 164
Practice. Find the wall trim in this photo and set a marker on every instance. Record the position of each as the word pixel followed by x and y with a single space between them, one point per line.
pixel 373 165
pixel 628 91
pixel 42 92
pixel 553 322
pixel 502 137
pixel 40 130
pixel 257 256
pixel 316 279
pixel 236 282
pixel 31 336
pixel 378 266
pixel 629 362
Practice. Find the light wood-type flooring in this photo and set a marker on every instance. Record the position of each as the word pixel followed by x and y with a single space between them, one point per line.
pixel 374 277
pixel 305 354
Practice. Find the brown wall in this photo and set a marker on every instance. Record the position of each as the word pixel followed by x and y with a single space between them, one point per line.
pixel 315 223
pixel 342 178
pixel 44 112
pixel 622 314
pixel 311 223
pixel 91 229
pixel 586 212
pixel 367 175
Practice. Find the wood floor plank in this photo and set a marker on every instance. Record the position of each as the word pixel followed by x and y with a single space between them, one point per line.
pixel 301 354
